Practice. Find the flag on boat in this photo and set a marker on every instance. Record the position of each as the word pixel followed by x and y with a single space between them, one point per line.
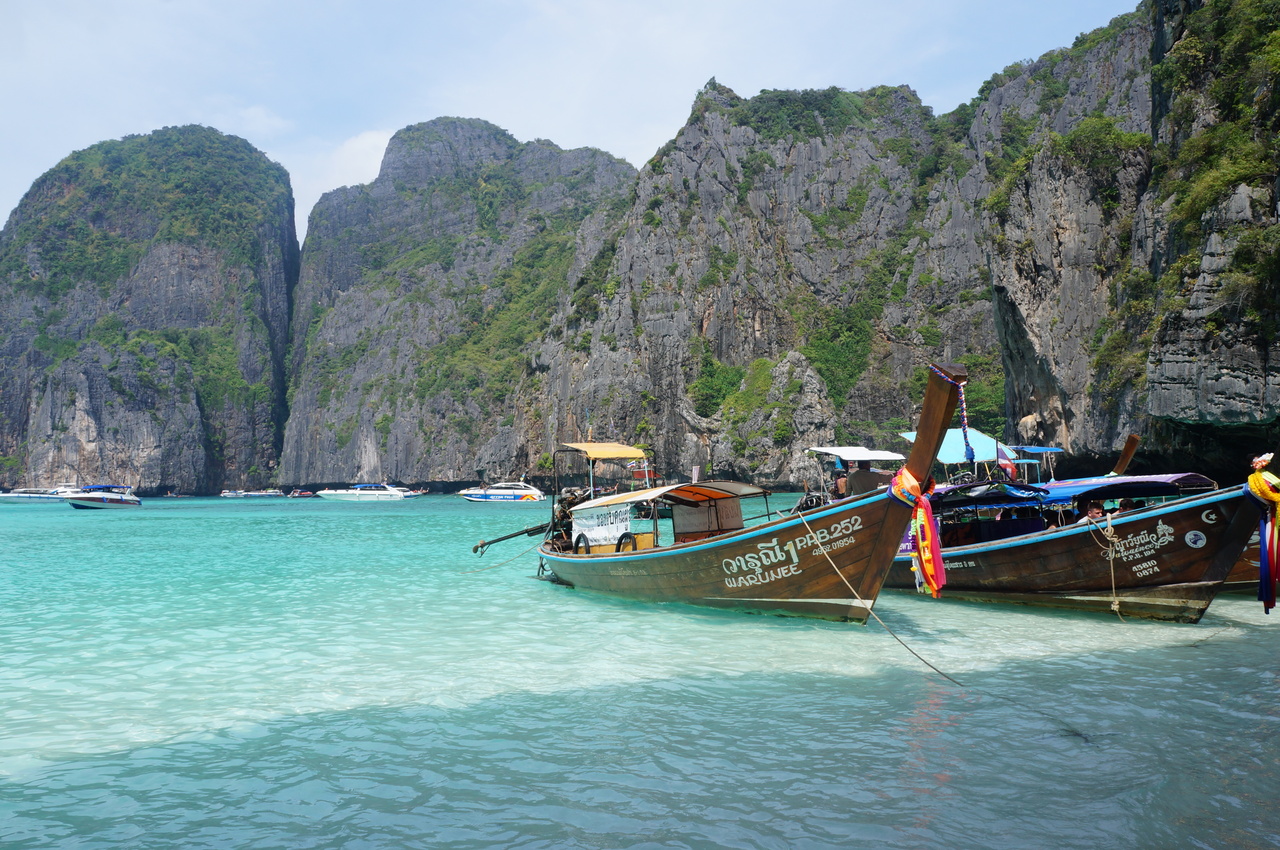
pixel 1006 463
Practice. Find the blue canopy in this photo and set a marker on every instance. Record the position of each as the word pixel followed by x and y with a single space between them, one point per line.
pixel 1060 494
pixel 1103 487
pixel 952 451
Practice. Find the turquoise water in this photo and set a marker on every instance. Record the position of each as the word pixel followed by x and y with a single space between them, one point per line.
pixel 206 673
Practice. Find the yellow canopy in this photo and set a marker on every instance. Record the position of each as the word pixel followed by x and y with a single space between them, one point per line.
pixel 606 451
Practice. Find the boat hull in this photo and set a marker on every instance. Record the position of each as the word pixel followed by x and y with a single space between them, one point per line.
pixel 780 567
pixel 504 492
pixel 360 497
pixel 1244 576
pixel 102 502
pixel 1169 562
pixel 502 497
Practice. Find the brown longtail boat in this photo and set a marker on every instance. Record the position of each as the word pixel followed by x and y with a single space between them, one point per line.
pixel 1243 577
pixel 828 562
pixel 1166 561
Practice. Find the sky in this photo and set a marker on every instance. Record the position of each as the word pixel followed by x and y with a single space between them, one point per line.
pixel 320 86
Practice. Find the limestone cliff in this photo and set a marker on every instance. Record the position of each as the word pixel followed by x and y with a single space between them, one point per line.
pixel 1135 242
pixel 144 303
pixel 420 295
pixel 781 272
pixel 1095 235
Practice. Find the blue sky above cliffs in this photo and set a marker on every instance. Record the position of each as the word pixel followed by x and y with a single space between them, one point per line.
pixel 320 86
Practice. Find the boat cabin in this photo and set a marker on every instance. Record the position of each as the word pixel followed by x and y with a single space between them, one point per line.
pixel 629 521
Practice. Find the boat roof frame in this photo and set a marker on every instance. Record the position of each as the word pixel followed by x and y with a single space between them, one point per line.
pixel 688 493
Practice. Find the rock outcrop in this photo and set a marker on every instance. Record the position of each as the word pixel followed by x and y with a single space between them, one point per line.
pixel 419 295
pixel 144 304
pixel 1095 236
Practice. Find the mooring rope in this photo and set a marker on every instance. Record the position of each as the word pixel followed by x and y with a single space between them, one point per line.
pixel 503 563
pixel 1055 719
pixel 871 610
pixel 1109 534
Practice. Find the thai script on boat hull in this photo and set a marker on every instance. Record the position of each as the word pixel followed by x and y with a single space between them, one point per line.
pixel 769 553
pixel 1143 544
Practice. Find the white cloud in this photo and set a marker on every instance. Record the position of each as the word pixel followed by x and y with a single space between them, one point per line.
pixel 352 162
pixel 251 122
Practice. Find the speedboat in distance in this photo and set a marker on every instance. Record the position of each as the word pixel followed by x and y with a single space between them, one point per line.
pixel 104 496
pixel 369 493
pixel 503 491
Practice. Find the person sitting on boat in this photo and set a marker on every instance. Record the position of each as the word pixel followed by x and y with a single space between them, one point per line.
pixel 1093 511
pixel 1125 505
pixel 839 486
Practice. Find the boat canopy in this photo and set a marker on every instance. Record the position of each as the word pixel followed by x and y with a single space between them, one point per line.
pixel 988 494
pixel 1103 487
pixel 606 451
pixel 853 454
pixel 697 493
pixel 1036 450
pixel 985 449
pixel 1057 494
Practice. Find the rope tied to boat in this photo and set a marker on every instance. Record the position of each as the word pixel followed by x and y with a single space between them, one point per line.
pixel 871 612
pixel 926 662
pixel 1265 490
pixel 503 563
pixel 1109 550
pixel 964 410
pixel 927 557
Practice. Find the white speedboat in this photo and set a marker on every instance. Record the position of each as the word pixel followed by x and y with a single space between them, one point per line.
pixel 369 493
pixel 37 495
pixel 104 496
pixel 503 491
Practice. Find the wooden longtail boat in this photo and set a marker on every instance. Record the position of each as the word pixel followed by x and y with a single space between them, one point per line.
pixel 829 562
pixel 1243 577
pixel 1162 562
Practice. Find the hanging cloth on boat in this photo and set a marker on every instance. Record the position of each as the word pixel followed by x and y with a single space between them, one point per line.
pixel 1265 487
pixel 927 556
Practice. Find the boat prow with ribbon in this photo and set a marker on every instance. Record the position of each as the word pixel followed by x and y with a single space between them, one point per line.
pixel 828 562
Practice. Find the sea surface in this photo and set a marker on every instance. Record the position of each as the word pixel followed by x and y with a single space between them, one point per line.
pixel 216 673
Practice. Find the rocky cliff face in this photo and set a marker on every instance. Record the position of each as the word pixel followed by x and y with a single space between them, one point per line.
pixel 1136 275
pixel 1095 236
pixel 787 266
pixel 419 295
pixel 143 330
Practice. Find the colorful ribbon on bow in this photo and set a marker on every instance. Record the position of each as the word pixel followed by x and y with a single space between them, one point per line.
pixel 1265 487
pixel 928 556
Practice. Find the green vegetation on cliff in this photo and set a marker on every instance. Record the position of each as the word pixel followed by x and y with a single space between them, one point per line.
pixel 487 357
pixel 1227 60
pixel 93 216
pixel 1225 64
